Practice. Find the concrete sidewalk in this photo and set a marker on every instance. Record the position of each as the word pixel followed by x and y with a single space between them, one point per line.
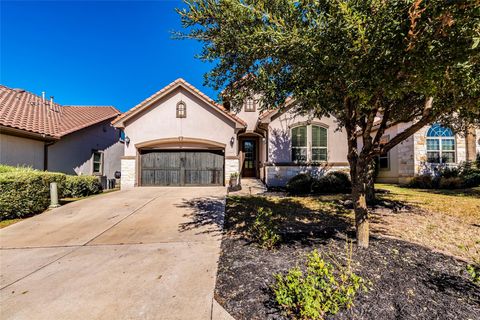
pixel 148 253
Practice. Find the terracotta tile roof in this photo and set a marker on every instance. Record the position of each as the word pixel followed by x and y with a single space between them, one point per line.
pixel 268 113
pixel 172 86
pixel 26 111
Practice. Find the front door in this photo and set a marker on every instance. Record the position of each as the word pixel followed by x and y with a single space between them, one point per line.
pixel 249 150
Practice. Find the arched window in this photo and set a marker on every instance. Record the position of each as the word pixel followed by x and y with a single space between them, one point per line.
pixel 181 110
pixel 309 143
pixel 440 144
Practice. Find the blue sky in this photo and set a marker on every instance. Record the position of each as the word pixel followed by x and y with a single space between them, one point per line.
pixel 96 52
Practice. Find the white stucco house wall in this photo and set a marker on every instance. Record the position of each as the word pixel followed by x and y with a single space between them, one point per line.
pixel 39 133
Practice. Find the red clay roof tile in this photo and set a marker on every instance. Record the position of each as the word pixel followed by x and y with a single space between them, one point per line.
pixel 24 110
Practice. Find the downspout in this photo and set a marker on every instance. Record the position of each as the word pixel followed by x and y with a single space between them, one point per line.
pixel 45 154
pixel 264 168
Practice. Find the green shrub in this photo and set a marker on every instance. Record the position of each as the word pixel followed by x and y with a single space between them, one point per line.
pixel 25 192
pixel 451 183
pixel 81 186
pixel 472 180
pixel 473 268
pixel 332 182
pixel 264 230
pixel 300 184
pixel 323 289
pixel 424 181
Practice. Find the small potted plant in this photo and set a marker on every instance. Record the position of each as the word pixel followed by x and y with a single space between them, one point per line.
pixel 234 181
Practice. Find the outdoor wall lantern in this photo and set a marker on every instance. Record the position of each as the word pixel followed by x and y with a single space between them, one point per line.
pixel 232 141
pixel 127 140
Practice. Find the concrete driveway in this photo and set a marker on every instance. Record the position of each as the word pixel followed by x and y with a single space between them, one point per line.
pixel 148 253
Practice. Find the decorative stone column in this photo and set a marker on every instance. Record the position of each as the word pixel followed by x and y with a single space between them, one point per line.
pixel 128 171
pixel 232 165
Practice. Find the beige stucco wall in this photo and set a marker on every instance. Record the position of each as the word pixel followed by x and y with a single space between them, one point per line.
pixel 250 117
pixel 279 141
pixel 72 154
pixel 17 151
pixel 159 121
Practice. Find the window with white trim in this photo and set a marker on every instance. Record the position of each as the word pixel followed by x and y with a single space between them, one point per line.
pixel 384 158
pixel 299 144
pixel 440 144
pixel 97 162
pixel 181 110
pixel 309 143
pixel 250 105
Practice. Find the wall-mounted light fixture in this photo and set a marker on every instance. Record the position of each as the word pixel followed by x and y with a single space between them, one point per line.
pixel 232 141
pixel 127 140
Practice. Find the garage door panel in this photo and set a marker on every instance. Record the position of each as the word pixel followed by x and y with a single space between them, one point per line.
pixel 172 168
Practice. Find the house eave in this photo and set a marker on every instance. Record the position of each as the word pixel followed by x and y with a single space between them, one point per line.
pixel 26 134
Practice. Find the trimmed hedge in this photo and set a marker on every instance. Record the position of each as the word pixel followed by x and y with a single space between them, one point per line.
pixel 26 192
pixel 331 183
pixel 466 175
pixel 81 186
pixel 300 184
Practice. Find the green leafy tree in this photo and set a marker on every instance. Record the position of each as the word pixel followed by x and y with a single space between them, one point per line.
pixel 370 63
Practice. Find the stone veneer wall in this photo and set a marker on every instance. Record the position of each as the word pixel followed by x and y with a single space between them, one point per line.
pixel 406 158
pixel 420 150
pixel 128 173
pixel 231 166
pixel 278 176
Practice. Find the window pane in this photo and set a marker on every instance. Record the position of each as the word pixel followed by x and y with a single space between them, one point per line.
pixel 433 144
pixel 97 156
pixel 319 154
pixel 319 136
pixel 448 157
pixel 96 167
pixel 448 144
pixel 299 154
pixel 299 137
pixel 383 163
pixel 433 157
pixel 437 130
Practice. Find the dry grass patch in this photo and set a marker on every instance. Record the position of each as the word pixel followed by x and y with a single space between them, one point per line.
pixel 448 221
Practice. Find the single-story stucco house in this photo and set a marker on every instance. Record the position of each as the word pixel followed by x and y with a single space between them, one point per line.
pixel 179 136
pixel 39 133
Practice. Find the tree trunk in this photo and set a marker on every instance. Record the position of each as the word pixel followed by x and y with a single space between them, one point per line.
pixel 359 195
pixel 370 186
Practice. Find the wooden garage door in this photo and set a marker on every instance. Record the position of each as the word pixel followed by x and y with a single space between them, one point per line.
pixel 180 168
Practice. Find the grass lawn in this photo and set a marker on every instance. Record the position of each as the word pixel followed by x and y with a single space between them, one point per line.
pixel 6 223
pixel 416 261
pixel 449 220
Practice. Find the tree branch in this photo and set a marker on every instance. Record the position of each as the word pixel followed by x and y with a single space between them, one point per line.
pixel 424 120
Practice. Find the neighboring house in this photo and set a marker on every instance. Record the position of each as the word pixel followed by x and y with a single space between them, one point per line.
pixel 44 135
pixel 179 136
pixel 424 152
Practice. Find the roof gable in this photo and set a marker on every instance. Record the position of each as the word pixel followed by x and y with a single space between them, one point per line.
pixel 179 83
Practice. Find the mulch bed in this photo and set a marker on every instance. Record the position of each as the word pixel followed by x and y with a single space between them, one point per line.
pixel 407 281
